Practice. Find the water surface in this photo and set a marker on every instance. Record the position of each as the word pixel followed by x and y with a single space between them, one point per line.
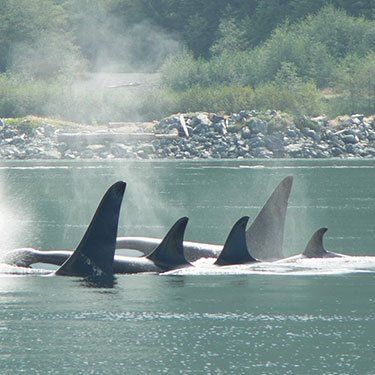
pixel 210 324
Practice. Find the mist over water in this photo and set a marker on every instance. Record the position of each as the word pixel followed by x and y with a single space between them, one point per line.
pixel 16 221
pixel 58 199
pixel 281 318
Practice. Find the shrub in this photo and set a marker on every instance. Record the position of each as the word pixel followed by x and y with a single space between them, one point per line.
pixel 215 99
pixel 355 90
pixel 289 93
pixel 35 39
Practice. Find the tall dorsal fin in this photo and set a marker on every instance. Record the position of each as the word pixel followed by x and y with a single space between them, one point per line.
pixel 94 254
pixel 169 254
pixel 315 248
pixel 266 234
pixel 235 249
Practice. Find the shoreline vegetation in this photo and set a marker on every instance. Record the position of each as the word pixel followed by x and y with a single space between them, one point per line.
pixel 202 135
pixel 249 79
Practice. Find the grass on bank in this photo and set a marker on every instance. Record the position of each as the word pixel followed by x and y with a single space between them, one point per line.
pixel 62 100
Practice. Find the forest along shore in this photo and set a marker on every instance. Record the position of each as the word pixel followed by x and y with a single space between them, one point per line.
pixel 247 134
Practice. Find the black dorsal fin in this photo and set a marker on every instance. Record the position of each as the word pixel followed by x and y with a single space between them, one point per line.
pixel 266 234
pixel 169 254
pixel 235 249
pixel 94 254
pixel 315 248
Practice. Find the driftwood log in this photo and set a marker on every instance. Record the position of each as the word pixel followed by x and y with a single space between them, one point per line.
pixel 99 138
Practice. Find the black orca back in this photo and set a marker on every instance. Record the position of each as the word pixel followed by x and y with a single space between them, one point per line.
pixel 169 254
pixel 235 249
pixel 315 248
pixel 94 254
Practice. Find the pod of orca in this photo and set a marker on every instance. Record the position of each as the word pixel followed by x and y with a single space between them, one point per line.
pixel 95 254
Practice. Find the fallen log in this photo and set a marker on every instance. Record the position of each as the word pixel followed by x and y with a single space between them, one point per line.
pixel 99 138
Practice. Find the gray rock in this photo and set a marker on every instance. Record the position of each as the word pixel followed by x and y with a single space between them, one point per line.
pixel 358 116
pixel 356 121
pixel 291 133
pixel 245 114
pixel 87 154
pixel 256 142
pixel 258 126
pixel 371 135
pixel 336 151
pixel 17 140
pixel 262 152
pixel 148 149
pixel 294 150
pixel 220 127
pixel 48 130
pixel 311 134
pixel 350 138
pixel 274 143
pixel 200 119
pixel 245 133
pixel 95 148
pixel 69 156
pixel 235 117
pixel 62 147
pixel 9 133
pixel 215 118
pixel 51 154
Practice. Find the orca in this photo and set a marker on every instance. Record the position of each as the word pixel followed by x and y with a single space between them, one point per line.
pixel 168 255
pixel 94 255
pixel 264 237
pixel 235 250
pixel 315 247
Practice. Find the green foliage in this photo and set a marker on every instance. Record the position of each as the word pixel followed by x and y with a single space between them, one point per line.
pixel 64 99
pixel 34 39
pixel 298 99
pixel 200 23
pixel 215 99
pixel 289 93
pixel 327 50
pixel 265 54
pixel 355 92
pixel 339 33
pixel 231 37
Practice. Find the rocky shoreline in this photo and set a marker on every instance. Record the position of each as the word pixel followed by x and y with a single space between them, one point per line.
pixel 247 134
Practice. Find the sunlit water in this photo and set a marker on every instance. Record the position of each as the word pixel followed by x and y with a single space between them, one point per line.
pixel 290 317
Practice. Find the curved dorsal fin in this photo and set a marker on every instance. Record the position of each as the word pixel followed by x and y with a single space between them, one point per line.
pixel 315 248
pixel 169 254
pixel 94 254
pixel 235 249
pixel 266 234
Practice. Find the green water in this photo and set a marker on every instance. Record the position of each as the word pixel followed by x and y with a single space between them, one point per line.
pixel 242 324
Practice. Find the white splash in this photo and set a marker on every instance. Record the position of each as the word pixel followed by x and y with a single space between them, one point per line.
pixel 290 266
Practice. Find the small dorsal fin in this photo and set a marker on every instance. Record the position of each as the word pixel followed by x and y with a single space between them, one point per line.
pixel 315 248
pixel 235 249
pixel 94 254
pixel 266 234
pixel 169 254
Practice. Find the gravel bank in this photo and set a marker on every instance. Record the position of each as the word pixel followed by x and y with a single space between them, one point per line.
pixel 248 134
